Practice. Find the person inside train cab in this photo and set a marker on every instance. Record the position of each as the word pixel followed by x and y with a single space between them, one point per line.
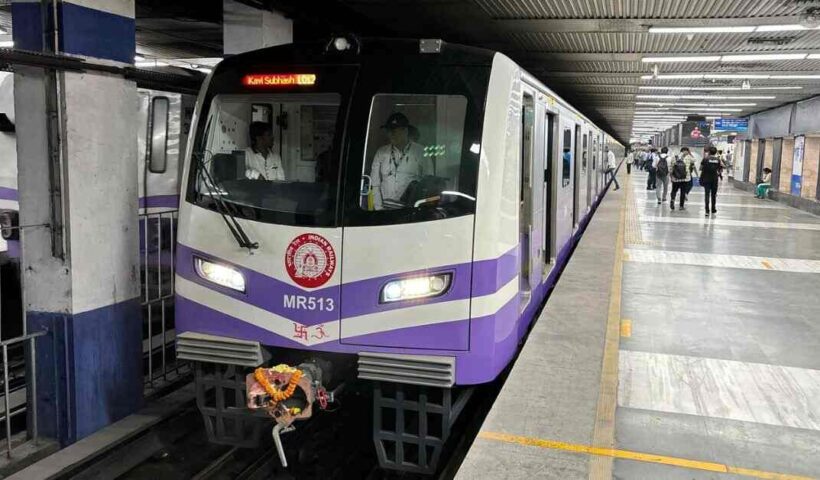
pixel 261 162
pixel 397 164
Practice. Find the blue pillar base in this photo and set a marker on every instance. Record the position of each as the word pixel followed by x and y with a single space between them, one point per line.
pixel 89 369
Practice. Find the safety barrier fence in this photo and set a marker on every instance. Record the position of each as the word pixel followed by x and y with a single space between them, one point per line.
pixel 157 256
pixel 21 398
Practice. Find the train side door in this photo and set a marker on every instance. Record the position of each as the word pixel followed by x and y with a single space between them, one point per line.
pixel 576 184
pixel 540 201
pixel 525 212
pixel 587 172
pixel 548 157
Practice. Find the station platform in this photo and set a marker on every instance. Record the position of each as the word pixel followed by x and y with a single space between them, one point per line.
pixel 674 346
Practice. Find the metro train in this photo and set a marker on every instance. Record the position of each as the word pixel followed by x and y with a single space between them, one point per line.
pixel 430 195
pixel 164 119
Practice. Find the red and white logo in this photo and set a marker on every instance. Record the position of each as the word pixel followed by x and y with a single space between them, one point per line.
pixel 310 260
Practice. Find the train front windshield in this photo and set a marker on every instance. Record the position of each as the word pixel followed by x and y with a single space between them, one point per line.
pixel 269 156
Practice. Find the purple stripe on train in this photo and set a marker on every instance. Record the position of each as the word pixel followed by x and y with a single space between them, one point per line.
pixel 159 201
pixel 483 363
pixel 360 297
pixel 7 193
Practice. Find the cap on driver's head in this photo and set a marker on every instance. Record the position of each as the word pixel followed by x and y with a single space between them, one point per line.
pixel 396 120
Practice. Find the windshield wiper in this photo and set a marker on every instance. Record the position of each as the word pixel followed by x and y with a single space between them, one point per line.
pixel 222 208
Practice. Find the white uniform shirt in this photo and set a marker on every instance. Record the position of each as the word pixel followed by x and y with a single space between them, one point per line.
pixel 393 170
pixel 269 167
pixel 610 160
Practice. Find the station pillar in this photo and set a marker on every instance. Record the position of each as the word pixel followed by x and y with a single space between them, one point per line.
pixel 245 28
pixel 78 189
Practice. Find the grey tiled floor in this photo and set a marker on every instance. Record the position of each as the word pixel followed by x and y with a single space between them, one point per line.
pixel 700 317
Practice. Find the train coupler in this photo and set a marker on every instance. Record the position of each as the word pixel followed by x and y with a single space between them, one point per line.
pixel 287 394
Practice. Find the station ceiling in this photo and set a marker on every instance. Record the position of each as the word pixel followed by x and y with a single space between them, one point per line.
pixel 600 55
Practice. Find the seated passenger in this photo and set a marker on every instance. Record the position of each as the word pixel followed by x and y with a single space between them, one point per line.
pixel 765 183
pixel 261 163
pixel 397 164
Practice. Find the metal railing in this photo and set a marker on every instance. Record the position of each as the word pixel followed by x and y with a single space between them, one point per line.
pixel 157 256
pixel 25 394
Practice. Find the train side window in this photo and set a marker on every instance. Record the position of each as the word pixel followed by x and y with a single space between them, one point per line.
pixel 584 149
pixel 413 152
pixel 158 153
pixel 566 148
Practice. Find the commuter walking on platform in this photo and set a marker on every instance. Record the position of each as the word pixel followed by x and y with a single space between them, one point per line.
pixel 710 170
pixel 610 167
pixel 681 173
pixel 650 167
pixel 765 183
pixel 630 155
pixel 661 167
pixel 693 170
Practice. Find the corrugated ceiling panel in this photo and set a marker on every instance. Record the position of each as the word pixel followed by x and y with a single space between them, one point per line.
pixel 603 42
pixel 532 9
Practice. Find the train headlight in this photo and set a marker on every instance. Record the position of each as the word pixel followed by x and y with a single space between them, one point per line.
pixel 220 274
pixel 417 287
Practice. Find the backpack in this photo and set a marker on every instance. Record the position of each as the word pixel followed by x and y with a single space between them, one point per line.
pixel 679 169
pixel 663 167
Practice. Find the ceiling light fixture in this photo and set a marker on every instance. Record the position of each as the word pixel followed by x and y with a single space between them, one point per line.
pixel 7 44
pixel 730 29
pixel 705 105
pixel 708 97
pixel 715 58
pixel 660 87
pixel 150 63
pixel 730 76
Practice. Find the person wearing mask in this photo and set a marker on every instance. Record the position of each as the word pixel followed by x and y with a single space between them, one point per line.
pixel 610 167
pixel 710 170
pixel 261 162
pixel 661 167
pixel 397 164
pixel 650 162
pixel 681 176
pixel 765 183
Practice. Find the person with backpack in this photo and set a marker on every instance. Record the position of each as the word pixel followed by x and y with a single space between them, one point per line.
pixel 681 176
pixel 710 171
pixel 650 162
pixel 661 168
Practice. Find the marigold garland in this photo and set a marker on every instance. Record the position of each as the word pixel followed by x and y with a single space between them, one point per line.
pixel 276 394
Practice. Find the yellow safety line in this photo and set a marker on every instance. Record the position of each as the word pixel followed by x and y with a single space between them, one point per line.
pixel 600 467
pixel 626 328
pixel 611 453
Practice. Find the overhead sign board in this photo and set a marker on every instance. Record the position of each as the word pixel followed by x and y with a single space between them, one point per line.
pixel 731 124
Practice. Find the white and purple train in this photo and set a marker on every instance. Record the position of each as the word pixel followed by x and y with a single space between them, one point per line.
pixel 428 197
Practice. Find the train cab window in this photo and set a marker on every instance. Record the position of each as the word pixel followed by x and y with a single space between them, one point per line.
pixel 158 148
pixel 272 157
pixel 566 148
pixel 413 153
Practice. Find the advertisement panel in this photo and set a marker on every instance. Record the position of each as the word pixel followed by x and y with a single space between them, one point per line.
pixel 695 134
pixel 797 165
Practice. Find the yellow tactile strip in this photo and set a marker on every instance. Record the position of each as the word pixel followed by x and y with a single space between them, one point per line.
pixel 612 453
pixel 632 232
pixel 603 435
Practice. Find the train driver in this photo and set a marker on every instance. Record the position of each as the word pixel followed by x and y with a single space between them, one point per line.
pixel 261 162
pixel 397 164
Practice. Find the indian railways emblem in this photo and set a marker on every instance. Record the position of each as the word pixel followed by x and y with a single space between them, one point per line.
pixel 310 260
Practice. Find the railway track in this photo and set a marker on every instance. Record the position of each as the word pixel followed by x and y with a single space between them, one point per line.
pixel 334 445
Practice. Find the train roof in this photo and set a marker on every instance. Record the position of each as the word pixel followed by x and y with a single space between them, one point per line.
pixel 362 50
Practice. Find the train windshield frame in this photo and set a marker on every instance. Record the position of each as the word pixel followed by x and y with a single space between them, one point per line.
pixel 355 89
